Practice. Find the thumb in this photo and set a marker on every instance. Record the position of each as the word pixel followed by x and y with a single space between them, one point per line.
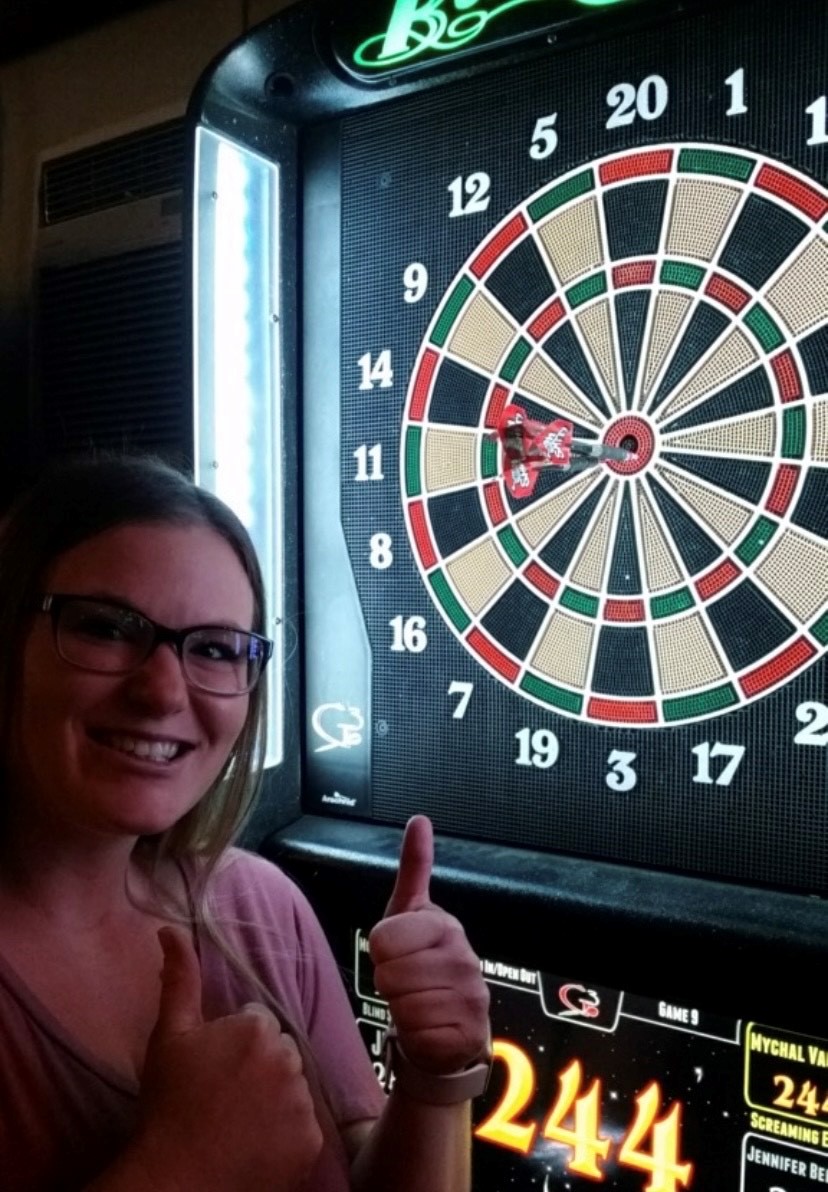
pixel 179 1009
pixel 410 891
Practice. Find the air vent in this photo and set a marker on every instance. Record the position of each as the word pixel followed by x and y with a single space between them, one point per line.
pixel 110 173
pixel 111 346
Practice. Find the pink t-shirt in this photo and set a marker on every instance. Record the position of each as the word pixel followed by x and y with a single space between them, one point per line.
pixel 64 1114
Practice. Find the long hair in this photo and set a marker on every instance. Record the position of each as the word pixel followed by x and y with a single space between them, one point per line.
pixel 75 500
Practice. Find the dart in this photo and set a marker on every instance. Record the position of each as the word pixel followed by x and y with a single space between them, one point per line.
pixel 530 446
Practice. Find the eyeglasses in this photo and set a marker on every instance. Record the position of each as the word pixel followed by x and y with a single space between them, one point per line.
pixel 112 639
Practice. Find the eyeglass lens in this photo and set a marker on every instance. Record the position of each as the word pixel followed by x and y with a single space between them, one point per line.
pixel 115 640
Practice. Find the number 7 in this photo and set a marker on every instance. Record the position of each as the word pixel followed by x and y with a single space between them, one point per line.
pixel 464 690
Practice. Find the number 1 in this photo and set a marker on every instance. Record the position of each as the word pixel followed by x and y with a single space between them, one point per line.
pixel 736 83
pixel 818 111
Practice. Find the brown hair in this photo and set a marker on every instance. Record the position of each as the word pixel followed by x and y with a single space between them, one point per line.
pixel 75 500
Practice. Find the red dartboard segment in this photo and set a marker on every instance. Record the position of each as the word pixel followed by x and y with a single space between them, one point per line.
pixel 624 610
pixel 488 651
pixel 717 579
pixel 787 376
pixel 638 165
pixel 784 487
pixel 546 320
pixel 622 711
pixel 497 246
pixel 542 580
pixel 727 292
pixel 494 503
pixel 794 191
pixel 422 536
pixel 638 273
pixel 497 404
pixel 781 667
pixel 422 385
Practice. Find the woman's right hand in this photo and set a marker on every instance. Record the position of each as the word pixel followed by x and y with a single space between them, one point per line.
pixel 224 1105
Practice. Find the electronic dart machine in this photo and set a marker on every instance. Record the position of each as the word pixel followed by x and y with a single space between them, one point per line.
pixel 511 347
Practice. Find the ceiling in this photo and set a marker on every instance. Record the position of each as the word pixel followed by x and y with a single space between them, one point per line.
pixel 28 25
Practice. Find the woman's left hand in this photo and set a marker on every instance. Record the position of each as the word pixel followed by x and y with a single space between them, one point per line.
pixel 426 969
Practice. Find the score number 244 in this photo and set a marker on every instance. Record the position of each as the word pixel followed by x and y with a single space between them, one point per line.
pixel 659 1158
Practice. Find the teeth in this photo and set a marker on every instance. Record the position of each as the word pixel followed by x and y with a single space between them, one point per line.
pixel 157 751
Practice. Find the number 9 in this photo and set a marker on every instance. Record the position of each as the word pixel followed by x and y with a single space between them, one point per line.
pixel 415 280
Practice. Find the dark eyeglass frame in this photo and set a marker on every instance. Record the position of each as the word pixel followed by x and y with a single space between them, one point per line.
pixel 54 602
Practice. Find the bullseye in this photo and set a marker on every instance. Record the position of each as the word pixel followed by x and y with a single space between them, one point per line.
pixel 633 434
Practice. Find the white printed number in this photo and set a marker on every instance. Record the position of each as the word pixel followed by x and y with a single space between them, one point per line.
pixel 736 83
pixel 818 111
pixel 381 555
pixel 376 372
pixel 464 690
pixel 539 748
pixel 409 635
pixel 648 100
pixel 544 138
pixel 363 455
pixel 470 195
pixel 705 753
pixel 815 718
pixel 621 777
pixel 415 280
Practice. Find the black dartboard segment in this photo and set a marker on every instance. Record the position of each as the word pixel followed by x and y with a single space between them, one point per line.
pixel 678 313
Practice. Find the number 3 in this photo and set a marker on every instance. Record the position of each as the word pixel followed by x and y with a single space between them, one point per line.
pixel 622 777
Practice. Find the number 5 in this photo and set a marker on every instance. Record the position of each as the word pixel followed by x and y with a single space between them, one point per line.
pixel 544 138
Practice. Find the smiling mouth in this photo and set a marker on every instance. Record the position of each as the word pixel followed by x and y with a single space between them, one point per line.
pixel 162 752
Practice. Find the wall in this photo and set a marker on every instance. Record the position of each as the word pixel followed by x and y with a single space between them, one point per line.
pixel 132 72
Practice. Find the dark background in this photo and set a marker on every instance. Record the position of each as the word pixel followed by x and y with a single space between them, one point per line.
pixel 28 25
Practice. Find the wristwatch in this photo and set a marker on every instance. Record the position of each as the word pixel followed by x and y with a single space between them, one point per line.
pixel 429 1087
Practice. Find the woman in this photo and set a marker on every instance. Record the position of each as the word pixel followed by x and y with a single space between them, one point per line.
pixel 131 711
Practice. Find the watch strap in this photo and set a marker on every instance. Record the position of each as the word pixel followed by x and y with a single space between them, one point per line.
pixel 430 1087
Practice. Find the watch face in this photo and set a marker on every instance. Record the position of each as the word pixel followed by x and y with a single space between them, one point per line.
pixel 572 514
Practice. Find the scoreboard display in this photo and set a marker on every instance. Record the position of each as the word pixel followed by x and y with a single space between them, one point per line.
pixel 591 1085
pixel 548 285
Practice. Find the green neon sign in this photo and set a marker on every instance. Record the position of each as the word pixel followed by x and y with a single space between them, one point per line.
pixel 420 27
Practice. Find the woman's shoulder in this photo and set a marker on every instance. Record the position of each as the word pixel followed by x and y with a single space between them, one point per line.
pixel 238 863
pixel 246 881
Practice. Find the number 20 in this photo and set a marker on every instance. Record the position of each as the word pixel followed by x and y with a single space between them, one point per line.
pixel 648 100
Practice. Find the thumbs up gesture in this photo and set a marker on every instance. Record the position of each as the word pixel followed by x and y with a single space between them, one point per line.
pixel 426 969
pixel 224 1105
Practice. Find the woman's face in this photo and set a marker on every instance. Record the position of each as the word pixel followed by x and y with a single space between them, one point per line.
pixel 74 740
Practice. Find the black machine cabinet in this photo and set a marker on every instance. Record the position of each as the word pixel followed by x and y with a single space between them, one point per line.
pixel 552 295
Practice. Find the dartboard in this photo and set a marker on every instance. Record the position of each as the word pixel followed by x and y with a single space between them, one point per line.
pixel 671 300
pixel 606 267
